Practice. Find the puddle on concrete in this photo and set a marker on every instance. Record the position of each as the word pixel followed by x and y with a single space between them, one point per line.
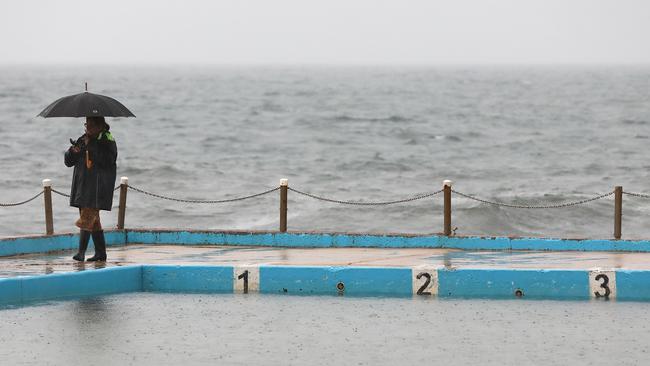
pixel 36 264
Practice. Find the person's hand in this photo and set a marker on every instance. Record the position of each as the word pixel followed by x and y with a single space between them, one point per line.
pixel 86 139
pixel 75 149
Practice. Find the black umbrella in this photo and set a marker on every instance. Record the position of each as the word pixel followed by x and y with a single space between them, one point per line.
pixel 86 105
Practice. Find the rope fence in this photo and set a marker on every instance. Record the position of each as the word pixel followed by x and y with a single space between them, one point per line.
pixel 60 193
pixel 68 196
pixel 509 205
pixel 640 195
pixel 203 201
pixel 284 189
pixel 358 203
pixel 21 202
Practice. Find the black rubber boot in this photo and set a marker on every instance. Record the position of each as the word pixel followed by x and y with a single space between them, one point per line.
pixel 100 247
pixel 84 237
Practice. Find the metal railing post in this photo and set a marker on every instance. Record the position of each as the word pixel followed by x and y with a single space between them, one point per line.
pixel 446 187
pixel 618 211
pixel 47 196
pixel 124 185
pixel 284 187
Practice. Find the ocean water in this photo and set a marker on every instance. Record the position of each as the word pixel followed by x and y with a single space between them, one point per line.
pixel 525 134
pixel 172 329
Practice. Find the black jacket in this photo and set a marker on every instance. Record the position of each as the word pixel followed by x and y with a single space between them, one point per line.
pixel 93 188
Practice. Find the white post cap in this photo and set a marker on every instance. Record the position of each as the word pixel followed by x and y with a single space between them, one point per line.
pixel 446 183
pixel 284 182
pixel 124 180
pixel 47 183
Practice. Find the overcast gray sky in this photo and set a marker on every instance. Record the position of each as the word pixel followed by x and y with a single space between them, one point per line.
pixel 325 32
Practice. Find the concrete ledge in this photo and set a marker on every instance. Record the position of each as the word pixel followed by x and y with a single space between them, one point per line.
pixel 362 281
pixel 51 243
pixel 41 244
pixel 324 280
pixel 70 285
pixel 540 284
pixel 199 279
pixel 633 285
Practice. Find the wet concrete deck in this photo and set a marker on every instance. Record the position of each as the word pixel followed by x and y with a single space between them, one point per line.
pixel 133 254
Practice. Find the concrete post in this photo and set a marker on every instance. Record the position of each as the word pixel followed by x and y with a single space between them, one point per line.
pixel 446 186
pixel 284 187
pixel 618 211
pixel 49 220
pixel 124 185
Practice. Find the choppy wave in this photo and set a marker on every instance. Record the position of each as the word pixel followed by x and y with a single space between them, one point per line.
pixel 634 122
pixel 348 118
pixel 339 133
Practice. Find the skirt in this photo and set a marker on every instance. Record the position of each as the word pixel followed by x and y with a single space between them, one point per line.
pixel 89 219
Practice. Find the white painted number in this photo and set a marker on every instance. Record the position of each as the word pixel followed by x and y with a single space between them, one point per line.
pixel 602 284
pixel 425 281
pixel 246 279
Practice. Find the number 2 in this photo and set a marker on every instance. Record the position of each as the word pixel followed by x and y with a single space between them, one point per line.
pixel 426 283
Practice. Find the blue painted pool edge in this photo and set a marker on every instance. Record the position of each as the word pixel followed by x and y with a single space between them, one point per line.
pixel 320 280
pixel 195 279
pixel 633 285
pixel 50 243
pixel 41 244
pixel 353 240
pixel 503 283
pixel 105 281
pixel 354 281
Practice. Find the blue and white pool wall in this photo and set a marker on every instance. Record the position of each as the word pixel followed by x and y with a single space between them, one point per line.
pixel 42 244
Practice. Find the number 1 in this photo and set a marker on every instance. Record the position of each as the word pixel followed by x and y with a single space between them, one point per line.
pixel 245 277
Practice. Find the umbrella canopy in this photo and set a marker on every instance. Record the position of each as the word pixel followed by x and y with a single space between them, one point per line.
pixel 86 105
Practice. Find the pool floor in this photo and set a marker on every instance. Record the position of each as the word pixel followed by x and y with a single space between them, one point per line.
pixel 61 261
pixel 225 329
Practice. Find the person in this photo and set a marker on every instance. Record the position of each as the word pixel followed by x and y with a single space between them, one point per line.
pixel 93 157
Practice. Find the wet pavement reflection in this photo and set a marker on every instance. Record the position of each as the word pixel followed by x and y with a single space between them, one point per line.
pixel 37 264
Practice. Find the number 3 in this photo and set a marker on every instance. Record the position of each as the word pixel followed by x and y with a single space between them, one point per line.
pixel 603 285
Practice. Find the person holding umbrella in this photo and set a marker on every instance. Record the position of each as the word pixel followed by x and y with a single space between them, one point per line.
pixel 93 156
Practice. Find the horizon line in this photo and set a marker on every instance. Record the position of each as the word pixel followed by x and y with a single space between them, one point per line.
pixel 322 64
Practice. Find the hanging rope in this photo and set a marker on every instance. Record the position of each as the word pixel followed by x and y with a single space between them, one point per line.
pixel 560 205
pixel 358 203
pixel 202 201
pixel 640 195
pixel 22 202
